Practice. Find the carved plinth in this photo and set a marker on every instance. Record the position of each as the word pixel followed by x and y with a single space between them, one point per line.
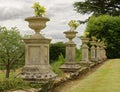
pixel 70 67
pixel 70 64
pixel 37 67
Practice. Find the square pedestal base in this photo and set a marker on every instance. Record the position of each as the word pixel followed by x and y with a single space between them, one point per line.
pixel 37 74
pixel 70 67
pixel 87 63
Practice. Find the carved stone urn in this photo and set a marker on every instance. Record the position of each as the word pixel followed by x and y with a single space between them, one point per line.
pixel 37 24
pixel 84 40
pixel 70 35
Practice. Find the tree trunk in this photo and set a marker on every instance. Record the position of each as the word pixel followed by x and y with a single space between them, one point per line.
pixel 7 71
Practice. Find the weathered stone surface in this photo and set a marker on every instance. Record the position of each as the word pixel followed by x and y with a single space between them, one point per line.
pixel 70 64
pixel 37 67
pixel 93 52
pixel 85 55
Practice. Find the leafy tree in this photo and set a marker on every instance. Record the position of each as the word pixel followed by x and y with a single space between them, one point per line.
pixel 11 48
pixel 98 7
pixel 56 49
pixel 106 28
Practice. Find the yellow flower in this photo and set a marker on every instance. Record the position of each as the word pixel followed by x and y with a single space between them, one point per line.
pixel 38 9
pixel 93 38
pixel 86 34
pixel 73 24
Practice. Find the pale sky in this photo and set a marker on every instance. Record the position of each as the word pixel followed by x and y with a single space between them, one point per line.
pixel 60 12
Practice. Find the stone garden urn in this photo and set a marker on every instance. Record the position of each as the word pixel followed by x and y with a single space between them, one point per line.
pixel 37 24
pixel 70 35
pixel 84 40
pixel 70 64
pixel 37 67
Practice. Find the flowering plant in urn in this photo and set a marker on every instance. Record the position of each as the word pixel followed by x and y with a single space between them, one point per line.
pixel 37 22
pixel 73 25
pixel 84 37
pixel 38 9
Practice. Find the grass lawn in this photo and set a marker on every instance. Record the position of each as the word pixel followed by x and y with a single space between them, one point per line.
pixel 105 79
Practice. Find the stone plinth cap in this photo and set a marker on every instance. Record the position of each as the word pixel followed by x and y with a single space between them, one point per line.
pixel 35 41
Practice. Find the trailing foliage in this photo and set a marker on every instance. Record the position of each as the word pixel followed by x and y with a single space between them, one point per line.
pixel 106 28
pixel 55 50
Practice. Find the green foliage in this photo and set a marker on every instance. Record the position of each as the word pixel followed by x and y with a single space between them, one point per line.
pixel 11 48
pixel 35 85
pixel 56 65
pixel 78 55
pixel 47 86
pixel 55 50
pixel 73 24
pixel 8 84
pixel 38 9
pixel 98 7
pixel 106 28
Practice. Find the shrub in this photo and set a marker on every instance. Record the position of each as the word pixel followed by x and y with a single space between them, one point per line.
pixel 106 28
pixel 56 65
pixel 55 50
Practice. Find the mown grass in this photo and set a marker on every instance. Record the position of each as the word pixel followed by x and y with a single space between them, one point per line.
pixel 105 79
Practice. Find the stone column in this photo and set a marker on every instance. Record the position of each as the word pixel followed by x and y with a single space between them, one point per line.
pixel 93 51
pixel 70 64
pixel 85 52
pixel 37 67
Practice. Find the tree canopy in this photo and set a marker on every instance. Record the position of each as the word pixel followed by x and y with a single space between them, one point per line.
pixel 106 28
pixel 11 48
pixel 98 7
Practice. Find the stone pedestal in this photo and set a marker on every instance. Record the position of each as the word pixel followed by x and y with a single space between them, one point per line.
pixel 104 53
pixel 37 67
pixel 85 53
pixel 92 51
pixel 98 52
pixel 101 52
pixel 70 64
